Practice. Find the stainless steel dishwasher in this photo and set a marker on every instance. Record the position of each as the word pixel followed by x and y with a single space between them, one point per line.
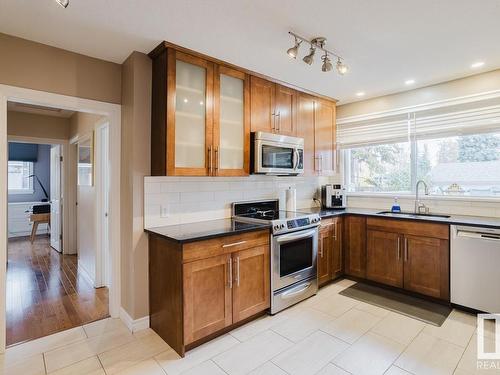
pixel 475 268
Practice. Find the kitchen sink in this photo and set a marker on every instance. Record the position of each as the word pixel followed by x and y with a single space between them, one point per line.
pixel 411 214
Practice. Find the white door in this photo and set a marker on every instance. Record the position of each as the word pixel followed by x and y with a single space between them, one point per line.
pixel 55 197
pixel 104 148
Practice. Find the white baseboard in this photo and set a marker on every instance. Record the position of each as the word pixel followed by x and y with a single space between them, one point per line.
pixel 134 325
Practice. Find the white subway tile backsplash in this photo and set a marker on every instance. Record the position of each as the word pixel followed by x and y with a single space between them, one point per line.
pixel 193 199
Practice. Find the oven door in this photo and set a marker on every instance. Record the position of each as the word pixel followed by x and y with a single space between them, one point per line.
pixel 294 257
pixel 277 158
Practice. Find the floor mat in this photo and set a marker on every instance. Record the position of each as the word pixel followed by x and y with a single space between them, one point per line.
pixel 414 307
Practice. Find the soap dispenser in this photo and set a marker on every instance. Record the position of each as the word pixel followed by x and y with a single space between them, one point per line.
pixel 395 205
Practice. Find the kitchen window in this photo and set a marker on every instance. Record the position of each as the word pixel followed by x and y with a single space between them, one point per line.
pixel 19 181
pixel 455 150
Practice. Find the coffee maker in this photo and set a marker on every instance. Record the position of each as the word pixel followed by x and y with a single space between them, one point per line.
pixel 333 196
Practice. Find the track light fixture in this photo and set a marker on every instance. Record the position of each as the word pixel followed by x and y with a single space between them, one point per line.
pixel 327 64
pixel 63 3
pixel 309 59
pixel 341 67
pixel 292 52
pixel 317 43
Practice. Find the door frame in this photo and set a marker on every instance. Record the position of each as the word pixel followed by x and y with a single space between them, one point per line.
pixel 101 256
pixel 65 214
pixel 113 113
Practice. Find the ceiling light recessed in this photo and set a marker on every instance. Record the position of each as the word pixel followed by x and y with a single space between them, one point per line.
pixel 477 64
pixel 63 3
pixel 360 94
pixel 409 81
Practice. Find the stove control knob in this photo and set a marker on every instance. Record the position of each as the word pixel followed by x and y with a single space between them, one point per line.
pixel 276 227
pixel 282 226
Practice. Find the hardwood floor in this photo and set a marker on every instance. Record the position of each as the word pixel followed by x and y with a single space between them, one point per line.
pixel 46 293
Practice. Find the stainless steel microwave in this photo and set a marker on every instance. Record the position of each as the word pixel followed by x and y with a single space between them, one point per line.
pixel 277 154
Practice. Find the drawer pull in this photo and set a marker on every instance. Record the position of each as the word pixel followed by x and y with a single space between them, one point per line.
pixel 234 244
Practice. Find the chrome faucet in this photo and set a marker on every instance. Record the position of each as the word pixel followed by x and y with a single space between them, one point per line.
pixel 419 205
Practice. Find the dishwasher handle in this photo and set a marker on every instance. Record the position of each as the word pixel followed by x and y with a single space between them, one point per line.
pixel 478 235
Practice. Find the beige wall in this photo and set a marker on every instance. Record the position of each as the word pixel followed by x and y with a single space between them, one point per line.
pixel 32 65
pixel 136 163
pixel 475 84
pixel 23 124
pixel 81 124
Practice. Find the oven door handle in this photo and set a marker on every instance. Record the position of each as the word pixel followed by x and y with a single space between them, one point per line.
pixel 297 290
pixel 295 236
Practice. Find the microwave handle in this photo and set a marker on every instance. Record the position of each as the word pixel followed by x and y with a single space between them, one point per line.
pixel 295 159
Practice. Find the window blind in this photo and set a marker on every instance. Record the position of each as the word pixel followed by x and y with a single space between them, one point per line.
pixel 470 118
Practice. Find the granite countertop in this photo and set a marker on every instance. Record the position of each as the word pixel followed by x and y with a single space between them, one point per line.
pixel 205 230
pixel 477 221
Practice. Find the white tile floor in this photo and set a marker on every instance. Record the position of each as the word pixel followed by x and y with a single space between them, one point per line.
pixel 328 334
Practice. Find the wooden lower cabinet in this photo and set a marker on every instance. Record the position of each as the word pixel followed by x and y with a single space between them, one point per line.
pixel 251 284
pixel 207 297
pixel 355 246
pixel 426 267
pixel 409 255
pixel 384 262
pixel 329 250
pixel 200 289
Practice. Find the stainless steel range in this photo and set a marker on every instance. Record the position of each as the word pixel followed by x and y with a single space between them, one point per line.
pixel 294 249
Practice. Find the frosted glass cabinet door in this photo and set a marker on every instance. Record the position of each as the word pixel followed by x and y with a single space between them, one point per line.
pixel 190 112
pixel 191 78
pixel 232 135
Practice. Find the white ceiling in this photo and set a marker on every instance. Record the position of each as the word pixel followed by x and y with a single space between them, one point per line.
pixel 385 42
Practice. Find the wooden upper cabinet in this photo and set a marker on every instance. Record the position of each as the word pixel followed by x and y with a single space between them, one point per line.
pixel 305 129
pixel 262 96
pixel 286 110
pixel 251 282
pixel 189 114
pixel 200 122
pixel 273 107
pixel 207 297
pixel 384 258
pixel 316 124
pixel 231 132
pixel 324 137
pixel 355 246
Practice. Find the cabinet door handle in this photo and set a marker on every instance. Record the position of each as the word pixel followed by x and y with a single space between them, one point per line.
pixel 230 271
pixel 234 244
pixel 335 236
pixel 273 122
pixel 237 271
pixel 399 247
pixel 406 249
pixel 321 251
pixel 210 161
pixel 216 161
pixel 279 120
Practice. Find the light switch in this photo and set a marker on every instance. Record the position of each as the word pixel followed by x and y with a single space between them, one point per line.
pixel 164 211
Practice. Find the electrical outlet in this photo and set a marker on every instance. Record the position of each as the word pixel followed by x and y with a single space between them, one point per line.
pixel 164 211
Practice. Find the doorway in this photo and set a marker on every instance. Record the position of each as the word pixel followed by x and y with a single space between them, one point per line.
pixel 55 278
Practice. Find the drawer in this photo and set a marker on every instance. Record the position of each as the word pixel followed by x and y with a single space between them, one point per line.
pixel 223 245
pixel 411 227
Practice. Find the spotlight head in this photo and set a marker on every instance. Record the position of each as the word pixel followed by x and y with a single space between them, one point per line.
pixel 63 3
pixel 341 67
pixel 327 64
pixel 309 59
pixel 293 52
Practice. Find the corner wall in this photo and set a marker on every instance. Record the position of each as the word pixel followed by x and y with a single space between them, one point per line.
pixel 135 165
pixel 37 66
